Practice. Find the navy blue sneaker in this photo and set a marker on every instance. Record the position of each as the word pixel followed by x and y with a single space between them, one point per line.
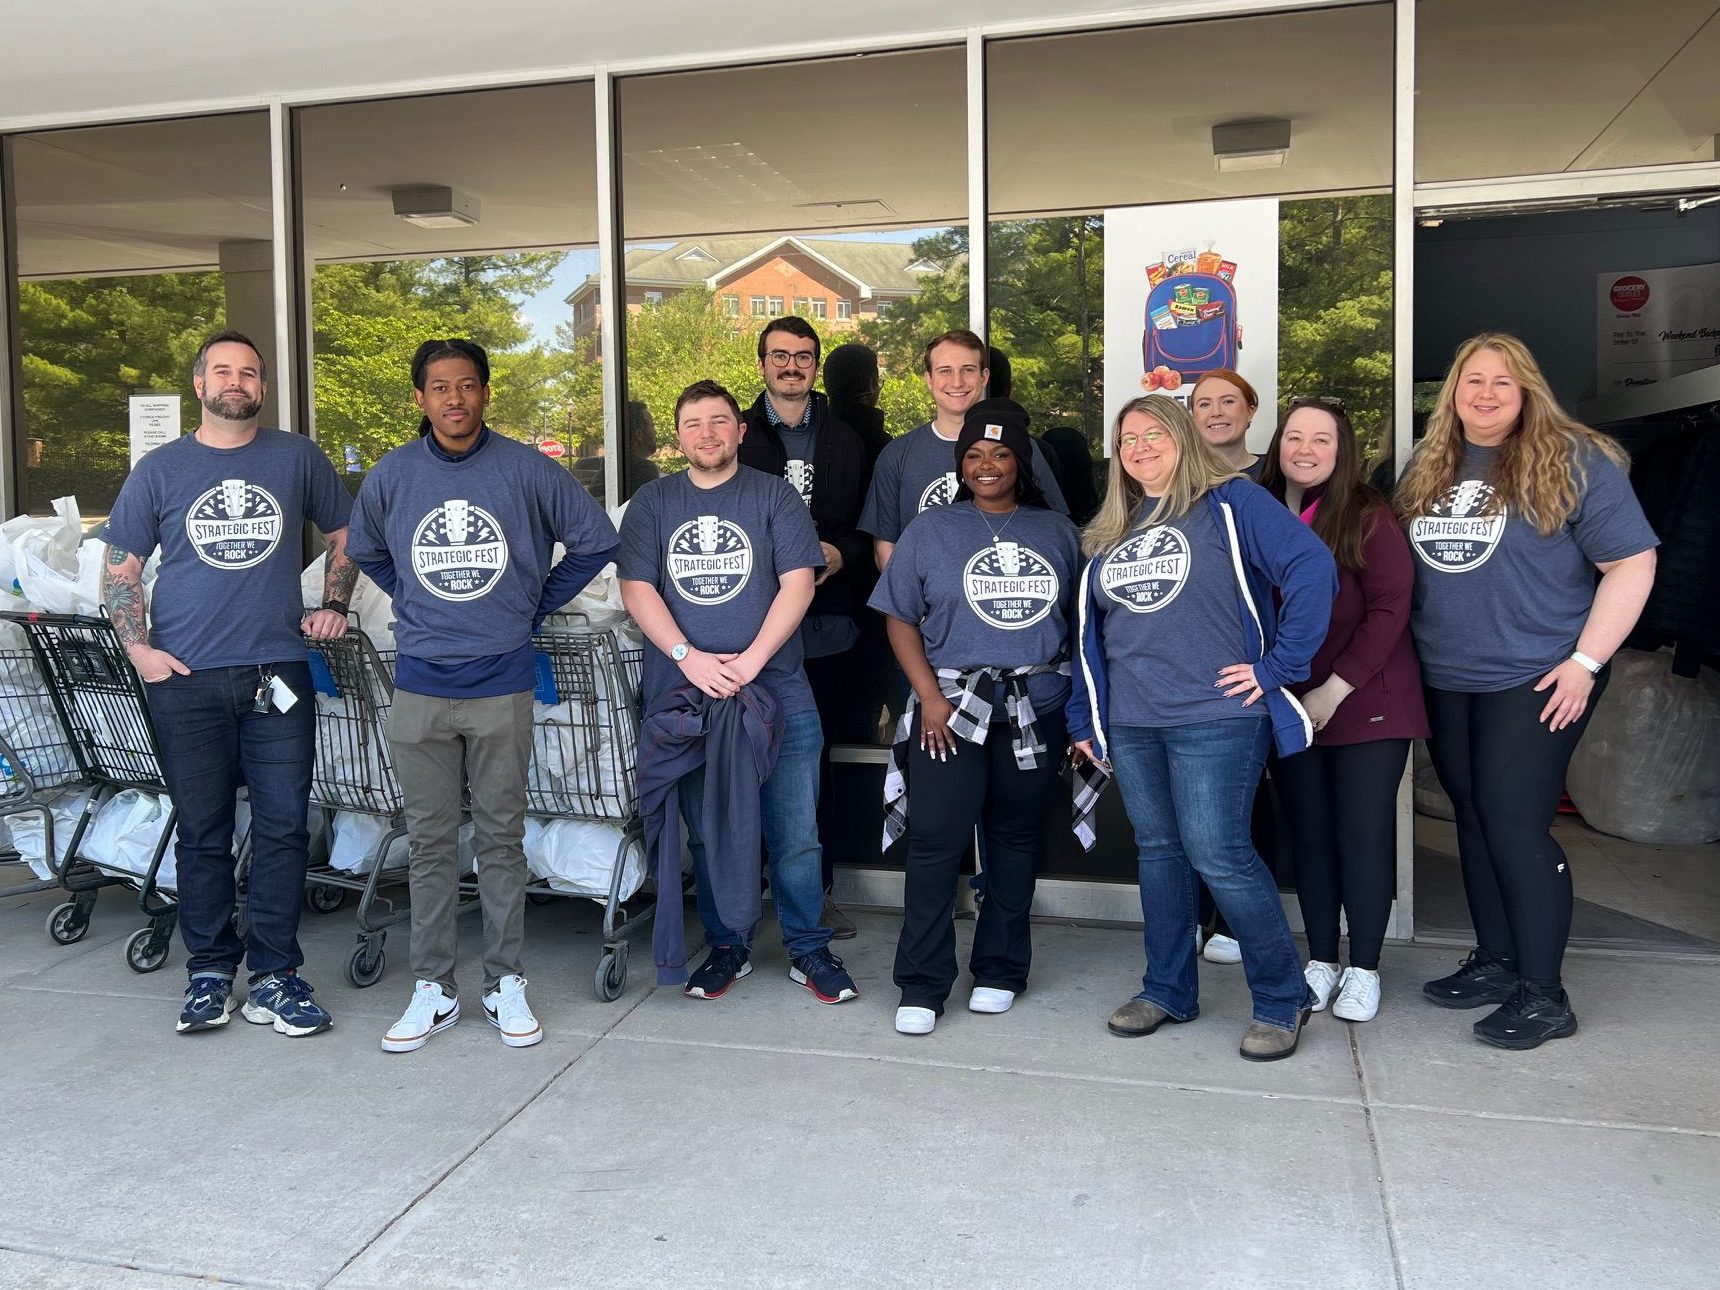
pixel 723 966
pixel 209 1002
pixel 283 1000
pixel 822 973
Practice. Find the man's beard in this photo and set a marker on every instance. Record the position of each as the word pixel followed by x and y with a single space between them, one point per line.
pixel 724 457
pixel 232 407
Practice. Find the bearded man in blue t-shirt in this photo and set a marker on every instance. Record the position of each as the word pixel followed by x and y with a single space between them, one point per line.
pixel 223 661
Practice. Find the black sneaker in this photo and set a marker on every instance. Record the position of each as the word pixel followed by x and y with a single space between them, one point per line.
pixel 723 966
pixel 1528 1019
pixel 209 1002
pixel 1480 981
pixel 822 973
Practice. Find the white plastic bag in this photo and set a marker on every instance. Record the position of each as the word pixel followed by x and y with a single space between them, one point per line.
pixel 56 569
pixel 1648 766
pixel 124 833
pixel 356 837
pixel 26 829
pixel 578 856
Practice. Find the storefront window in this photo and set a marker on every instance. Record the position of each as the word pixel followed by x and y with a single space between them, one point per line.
pixel 788 186
pixel 438 216
pixel 135 243
pixel 1544 86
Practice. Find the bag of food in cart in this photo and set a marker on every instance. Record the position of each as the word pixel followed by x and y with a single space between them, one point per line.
pixel 27 836
pixel 124 833
pixel 356 837
pixel 578 856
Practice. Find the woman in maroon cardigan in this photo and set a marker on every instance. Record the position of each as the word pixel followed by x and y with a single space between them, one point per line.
pixel 1363 694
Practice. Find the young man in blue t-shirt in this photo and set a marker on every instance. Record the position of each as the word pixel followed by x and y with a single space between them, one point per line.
pixel 459 527
pixel 223 661
pixel 717 567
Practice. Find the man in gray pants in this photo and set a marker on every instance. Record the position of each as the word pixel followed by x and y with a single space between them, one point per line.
pixel 459 527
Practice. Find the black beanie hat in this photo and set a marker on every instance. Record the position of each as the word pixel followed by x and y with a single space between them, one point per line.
pixel 1002 421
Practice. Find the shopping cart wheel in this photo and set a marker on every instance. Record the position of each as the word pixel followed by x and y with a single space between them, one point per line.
pixel 365 966
pixel 67 923
pixel 324 899
pixel 611 976
pixel 143 952
pixel 539 897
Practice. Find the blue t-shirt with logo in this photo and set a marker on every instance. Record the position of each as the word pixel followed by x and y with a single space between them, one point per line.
pixel 1496 604
pixel 981 600
pixel 1171 620
pixel 918 471
pixel 716 556
pixel 469 541
pixel 228 522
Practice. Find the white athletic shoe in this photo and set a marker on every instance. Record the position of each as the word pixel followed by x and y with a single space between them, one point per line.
pixel 915 1021
pixel 429 1011
pixel 1322 979
pixel 1222 949
pixel 987 999
pixel 508 1011
pixel 1358 995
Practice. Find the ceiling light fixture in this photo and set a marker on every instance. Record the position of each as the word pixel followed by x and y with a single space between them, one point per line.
pixel 1260 144
pixel 432 207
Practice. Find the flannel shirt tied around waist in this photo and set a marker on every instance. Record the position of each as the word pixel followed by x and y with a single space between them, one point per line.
pixel 973 692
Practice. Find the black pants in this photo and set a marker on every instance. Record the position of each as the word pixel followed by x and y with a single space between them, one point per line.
pixel 1342 805
pixel 980 785
pixel 1504 773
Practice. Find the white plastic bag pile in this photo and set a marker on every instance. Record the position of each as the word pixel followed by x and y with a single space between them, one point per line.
pixel 46 564
pixel 25 830
pixel 122 833
pixel 578 856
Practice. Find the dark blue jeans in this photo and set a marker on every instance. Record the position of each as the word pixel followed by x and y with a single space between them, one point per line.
pixel 212 743
pixel 1189 791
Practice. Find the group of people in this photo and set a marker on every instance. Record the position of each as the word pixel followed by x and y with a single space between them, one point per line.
pixel 1218 615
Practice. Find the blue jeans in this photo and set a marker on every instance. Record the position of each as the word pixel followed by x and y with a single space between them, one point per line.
pixel 211 744
pixel 1188 792
pixel 788 803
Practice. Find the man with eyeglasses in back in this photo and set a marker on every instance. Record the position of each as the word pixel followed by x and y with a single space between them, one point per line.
pixel 791 433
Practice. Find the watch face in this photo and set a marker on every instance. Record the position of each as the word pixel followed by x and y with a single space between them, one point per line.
pixel 678 653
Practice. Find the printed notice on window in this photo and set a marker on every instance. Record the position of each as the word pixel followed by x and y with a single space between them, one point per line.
pixel 1655 324
pixel 154 421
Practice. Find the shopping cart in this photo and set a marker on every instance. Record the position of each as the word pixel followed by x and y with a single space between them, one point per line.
pixel 99 702
pixel 37 766
pixel 354 683
pixel 585 741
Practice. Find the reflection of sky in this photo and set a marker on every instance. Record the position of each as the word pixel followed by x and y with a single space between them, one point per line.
pixel 547 310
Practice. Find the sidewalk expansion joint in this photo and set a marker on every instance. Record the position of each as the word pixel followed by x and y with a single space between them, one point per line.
pixel 1387 1212
pixel 154 1269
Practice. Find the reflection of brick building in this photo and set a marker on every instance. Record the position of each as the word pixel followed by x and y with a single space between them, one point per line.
pixel 763 276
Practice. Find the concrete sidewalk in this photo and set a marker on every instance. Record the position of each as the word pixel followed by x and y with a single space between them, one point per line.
pixel 764 1140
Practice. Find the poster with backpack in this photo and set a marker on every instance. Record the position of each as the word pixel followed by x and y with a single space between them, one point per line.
pixel 1190 288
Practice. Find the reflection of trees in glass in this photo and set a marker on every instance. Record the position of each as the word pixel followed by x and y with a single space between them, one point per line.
pixel 369 318
pixel 1335 307
pixel 90 344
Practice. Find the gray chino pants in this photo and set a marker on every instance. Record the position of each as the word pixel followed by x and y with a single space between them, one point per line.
pixel 438 744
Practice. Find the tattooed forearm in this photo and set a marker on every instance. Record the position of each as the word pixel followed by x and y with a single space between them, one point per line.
pixel 122 592
pixel 341 576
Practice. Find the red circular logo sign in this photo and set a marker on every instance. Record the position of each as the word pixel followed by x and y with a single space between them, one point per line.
pixel 551 448
pixel 1629 294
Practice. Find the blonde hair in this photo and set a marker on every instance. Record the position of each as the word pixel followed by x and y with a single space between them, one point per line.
pixel 1539 469
pixel 1197 469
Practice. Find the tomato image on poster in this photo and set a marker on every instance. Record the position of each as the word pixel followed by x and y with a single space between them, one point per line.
pixel 1190 288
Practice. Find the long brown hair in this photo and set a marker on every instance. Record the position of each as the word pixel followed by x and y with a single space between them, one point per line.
pixel 1349 507
pixel 1198 469
pixel 1539 468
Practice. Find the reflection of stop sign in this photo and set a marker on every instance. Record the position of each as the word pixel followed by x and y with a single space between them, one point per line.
pixel 551 448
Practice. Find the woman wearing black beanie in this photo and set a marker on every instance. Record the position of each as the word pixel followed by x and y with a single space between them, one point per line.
pixel 977 600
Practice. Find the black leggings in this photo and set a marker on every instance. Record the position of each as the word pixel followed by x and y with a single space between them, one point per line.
pixel 1342 806
pixel 980 785
pixel 1504 773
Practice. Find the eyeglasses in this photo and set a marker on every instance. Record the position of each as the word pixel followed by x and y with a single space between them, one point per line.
pixel 782 358
pixel 1149 438
pixel 1330 402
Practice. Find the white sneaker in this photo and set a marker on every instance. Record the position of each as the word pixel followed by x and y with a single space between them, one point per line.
pixel 1358 995
pixel 508 1011
pixel 915 1021
pixel 429 1011
pixel 1222 949
pixel 1322 979
pixel 987 999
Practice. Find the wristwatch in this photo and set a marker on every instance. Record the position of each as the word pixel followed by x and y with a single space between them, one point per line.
pixel 1588 663
pixel 680 652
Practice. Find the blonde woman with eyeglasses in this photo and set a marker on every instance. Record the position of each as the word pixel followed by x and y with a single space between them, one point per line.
pixel 1203 599
pixel 1512 509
